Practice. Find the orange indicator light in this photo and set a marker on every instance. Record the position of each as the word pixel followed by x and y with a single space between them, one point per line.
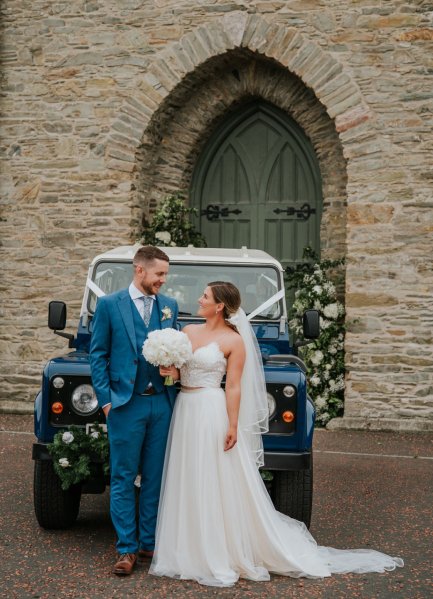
pixel 57 407
pixel 288 416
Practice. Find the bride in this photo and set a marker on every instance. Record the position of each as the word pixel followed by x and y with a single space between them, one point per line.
pixel 216 521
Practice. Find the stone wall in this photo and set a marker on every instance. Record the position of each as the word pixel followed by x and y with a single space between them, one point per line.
pixel 108 103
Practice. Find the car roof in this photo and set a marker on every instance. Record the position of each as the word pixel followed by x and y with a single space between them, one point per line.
pixel 243 255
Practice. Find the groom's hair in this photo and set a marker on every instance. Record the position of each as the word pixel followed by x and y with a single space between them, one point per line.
pixel 148 253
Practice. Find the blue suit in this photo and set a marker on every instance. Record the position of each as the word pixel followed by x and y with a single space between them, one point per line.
pixel 137 425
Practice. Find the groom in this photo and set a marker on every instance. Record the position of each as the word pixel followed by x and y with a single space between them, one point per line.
pixel 134 399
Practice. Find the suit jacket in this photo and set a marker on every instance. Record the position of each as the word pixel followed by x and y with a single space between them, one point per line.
pixel 113 346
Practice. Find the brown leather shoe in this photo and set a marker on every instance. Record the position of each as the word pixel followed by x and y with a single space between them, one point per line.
pixel 144 554
pixel 125 564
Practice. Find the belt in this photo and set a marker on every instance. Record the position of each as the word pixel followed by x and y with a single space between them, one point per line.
pixel 149 391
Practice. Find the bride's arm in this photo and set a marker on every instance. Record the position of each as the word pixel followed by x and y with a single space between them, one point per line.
pixel 235 365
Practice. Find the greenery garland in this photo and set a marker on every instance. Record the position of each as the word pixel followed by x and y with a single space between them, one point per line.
pixel 325 356
pixel 75 452
pixel 172 225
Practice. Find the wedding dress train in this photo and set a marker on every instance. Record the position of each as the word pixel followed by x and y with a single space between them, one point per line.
pixel 216 521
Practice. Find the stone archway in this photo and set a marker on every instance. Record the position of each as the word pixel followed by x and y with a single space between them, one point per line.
pixel 272 62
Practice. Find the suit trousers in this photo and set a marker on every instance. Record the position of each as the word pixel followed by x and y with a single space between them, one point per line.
pixel 137 432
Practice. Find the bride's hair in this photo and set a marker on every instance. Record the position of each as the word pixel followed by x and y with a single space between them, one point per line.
pixel 228 294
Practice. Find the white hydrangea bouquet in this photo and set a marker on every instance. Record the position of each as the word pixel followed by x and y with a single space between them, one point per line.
pixel 167 347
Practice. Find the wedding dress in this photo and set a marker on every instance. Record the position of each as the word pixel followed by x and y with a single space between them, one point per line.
pixel 216 521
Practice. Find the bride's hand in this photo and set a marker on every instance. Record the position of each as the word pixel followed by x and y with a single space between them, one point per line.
pixel 170 371
pixel 231 438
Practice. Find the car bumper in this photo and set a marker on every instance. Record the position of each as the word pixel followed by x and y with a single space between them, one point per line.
pixel 287 461
pixel 273 460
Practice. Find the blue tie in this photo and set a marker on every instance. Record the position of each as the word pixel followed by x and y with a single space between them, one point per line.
pixel 147 302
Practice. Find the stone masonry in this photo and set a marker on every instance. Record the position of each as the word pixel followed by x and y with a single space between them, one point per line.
pixel 107 104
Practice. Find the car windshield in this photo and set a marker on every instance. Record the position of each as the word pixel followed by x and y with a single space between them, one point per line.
pixel 186 282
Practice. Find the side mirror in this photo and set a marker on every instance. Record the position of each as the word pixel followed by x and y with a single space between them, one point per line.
pixel 56 316
pixel 311 324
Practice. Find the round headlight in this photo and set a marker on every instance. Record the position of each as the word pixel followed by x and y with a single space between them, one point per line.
pixel 272 405
pixel 58 382
pixel 289 391
pixel 84 400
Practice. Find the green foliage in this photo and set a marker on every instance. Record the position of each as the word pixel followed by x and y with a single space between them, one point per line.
pixel 325 356
pixel 171 225
pixel 73 452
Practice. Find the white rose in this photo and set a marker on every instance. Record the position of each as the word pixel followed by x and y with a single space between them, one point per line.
pixel 95 435
pixel 324 324
pixel 317 357
pixel 331 311
pixel 64 462
pixel 315 380
pixel 163 236
pixel 317 289
pixel 320 402
pixel 330 288
pixel 67 437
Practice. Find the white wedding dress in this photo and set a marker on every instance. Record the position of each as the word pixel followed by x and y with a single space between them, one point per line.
pixel 216 521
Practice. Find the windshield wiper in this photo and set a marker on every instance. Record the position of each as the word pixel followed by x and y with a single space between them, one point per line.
pixel 184 314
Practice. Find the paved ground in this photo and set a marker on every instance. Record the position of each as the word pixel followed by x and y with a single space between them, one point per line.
pixel 371 490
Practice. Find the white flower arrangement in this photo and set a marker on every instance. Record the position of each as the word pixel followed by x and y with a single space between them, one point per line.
pixel 75 453
pixel 163 236
pixel 325 357
pixel 167 347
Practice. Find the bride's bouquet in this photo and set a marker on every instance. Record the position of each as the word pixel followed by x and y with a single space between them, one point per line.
pixel 167 347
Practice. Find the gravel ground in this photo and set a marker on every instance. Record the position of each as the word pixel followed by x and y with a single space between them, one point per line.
pixel 381 500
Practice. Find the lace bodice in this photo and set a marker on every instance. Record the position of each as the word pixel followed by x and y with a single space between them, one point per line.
pixel 206 368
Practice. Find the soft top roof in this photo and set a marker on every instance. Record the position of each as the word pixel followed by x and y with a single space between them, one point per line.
pixel 192 254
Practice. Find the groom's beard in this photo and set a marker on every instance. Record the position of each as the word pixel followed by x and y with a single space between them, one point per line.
pixel 151 289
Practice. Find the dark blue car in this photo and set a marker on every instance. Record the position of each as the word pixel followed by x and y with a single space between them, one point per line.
pixel 67 396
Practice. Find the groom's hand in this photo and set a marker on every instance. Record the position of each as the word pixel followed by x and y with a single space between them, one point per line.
pixel 231 438
pixel 106 409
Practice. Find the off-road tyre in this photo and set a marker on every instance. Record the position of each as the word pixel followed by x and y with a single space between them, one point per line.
pixel 54 508
pixel 292 493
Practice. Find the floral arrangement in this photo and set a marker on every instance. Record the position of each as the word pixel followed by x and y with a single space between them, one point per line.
pixel 167 347
pixel 324 357
pixel 171 225
pixel 74 453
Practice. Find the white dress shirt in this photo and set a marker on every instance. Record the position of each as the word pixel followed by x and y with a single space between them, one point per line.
pixel 136 296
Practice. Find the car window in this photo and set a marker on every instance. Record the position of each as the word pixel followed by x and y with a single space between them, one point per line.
pixel 186 282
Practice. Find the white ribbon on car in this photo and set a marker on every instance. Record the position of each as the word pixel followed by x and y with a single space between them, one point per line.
pixel 94 287
pixel 272 300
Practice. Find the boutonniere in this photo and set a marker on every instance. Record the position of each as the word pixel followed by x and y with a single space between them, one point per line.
pixel 166 313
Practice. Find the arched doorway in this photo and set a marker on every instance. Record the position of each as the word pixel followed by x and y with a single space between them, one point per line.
pixel 257 183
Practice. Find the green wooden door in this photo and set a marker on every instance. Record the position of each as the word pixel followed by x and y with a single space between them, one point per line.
pixel 257 184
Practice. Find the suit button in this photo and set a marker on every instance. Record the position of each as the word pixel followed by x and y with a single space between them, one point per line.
pixel 135 361
pixel 131 381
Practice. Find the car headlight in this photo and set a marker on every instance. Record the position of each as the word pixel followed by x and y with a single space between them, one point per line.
pixel 289 391
pixel 84 400
pixel 272 405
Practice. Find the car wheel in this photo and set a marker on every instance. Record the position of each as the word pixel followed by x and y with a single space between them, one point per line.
pixel 292 493
pixel 54 507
